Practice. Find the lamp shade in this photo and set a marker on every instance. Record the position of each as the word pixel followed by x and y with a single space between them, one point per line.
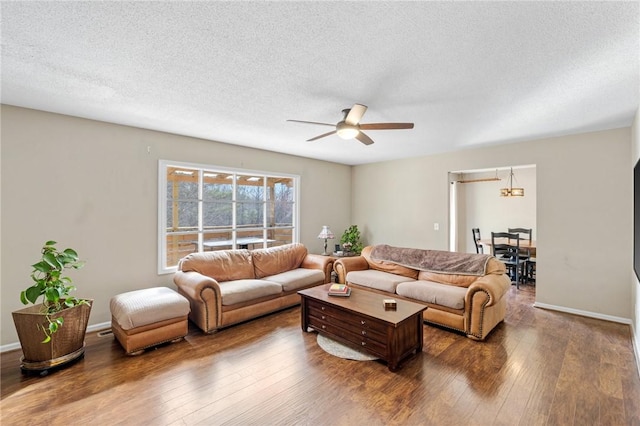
pixel 326 233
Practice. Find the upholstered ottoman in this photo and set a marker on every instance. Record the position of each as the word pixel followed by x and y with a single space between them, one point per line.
pixel 144 318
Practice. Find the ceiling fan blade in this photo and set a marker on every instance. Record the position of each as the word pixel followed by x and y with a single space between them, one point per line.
pixel 321 136
pixel 386 126
pixel 312 122
pixel 355 114
pixel 364 138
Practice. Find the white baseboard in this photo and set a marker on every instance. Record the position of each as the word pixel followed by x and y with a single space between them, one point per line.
pixel 636 347
pixel 90 329
pixel 98 327
pixel 9 347
pixel 583 313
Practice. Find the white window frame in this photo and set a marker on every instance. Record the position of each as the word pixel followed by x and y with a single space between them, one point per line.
pixel 163 268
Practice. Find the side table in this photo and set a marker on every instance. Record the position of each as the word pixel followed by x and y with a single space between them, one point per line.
pixel 333 256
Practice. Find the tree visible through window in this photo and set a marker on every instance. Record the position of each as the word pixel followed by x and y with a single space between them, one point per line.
pixel 204 208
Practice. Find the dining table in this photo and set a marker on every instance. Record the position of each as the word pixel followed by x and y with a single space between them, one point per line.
pixel 524 244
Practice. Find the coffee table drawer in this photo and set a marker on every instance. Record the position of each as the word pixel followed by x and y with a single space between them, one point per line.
pixel 353 324
pixel 347 317
pixel 373 346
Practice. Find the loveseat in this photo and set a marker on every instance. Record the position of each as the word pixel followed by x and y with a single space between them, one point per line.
pixel 226 287
pixel 462 291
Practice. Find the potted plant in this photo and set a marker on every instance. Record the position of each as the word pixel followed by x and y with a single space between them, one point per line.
pixel 52 333
pixel 350 240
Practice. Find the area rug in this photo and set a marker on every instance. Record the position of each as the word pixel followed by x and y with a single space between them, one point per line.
pixel 338 349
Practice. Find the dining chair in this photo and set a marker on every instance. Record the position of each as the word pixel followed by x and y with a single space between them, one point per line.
pixel 530 260
pixel 509 253
pixel 476 240
pixel 524 231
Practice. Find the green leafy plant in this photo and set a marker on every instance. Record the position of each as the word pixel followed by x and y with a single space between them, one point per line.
pixel 52 285
pixel 351 238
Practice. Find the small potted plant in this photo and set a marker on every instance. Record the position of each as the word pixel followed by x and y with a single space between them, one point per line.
pixel 52 333
pixel 350 240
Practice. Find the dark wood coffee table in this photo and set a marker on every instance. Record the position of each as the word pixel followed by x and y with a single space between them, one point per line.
pixel 361 321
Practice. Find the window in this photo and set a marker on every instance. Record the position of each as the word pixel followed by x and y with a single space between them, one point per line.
pixel 208 208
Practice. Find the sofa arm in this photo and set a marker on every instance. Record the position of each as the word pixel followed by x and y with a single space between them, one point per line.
pixel 347 264
pixel 204 296
pixel 495 286
pixel 317 261
pixel 485 305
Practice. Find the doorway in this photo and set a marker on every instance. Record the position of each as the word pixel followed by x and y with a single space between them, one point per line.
pixel 475 202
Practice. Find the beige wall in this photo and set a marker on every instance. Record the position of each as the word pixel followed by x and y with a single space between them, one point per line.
pixel 93 186
pixel 582 217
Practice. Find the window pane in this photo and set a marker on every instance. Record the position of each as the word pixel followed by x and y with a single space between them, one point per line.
pixel 182 215
pixel 217 186
pixel 280 214
pixel 280 189
pixel 249 214
pixel 250 188
pixel 182 183
pixel 180 245
pixel 280 235
pixel 217 240
pixel 217 214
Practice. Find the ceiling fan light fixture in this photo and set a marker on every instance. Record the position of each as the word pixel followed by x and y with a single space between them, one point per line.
pixel 349 127
pixel 346 131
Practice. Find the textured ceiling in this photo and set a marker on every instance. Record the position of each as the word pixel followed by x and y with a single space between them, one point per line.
pixel 466 73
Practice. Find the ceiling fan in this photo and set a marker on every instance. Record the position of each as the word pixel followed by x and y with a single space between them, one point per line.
pixel 349 127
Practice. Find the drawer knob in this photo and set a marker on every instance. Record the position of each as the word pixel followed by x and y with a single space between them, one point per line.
pixel 322 308
pixel 363 322
pixel 364 333
pixel 364 343
pixel 324 326
pixel 324 317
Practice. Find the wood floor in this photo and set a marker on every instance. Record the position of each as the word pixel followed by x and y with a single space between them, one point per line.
pixel 538 367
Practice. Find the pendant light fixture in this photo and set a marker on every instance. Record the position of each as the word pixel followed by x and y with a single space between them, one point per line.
pixel 511 191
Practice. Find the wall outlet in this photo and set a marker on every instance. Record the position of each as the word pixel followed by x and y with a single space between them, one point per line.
pixel 436 226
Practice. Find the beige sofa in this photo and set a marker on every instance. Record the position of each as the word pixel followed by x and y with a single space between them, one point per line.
pixel 229 286
pixel 463 291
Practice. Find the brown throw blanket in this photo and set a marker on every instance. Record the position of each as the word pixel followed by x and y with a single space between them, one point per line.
pixel 443 262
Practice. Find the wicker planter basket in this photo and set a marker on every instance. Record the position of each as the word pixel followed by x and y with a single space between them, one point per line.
pixel 66 345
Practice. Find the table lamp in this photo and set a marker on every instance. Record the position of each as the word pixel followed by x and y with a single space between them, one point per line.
pixel 326 234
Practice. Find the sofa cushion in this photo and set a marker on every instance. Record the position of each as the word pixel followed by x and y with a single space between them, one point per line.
pixel 245 290
pixel 451 279
pixel 221 265
pixel 379 280
pixel 435 293
pixel 298 278
pixel 274 260
pixel 381 265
